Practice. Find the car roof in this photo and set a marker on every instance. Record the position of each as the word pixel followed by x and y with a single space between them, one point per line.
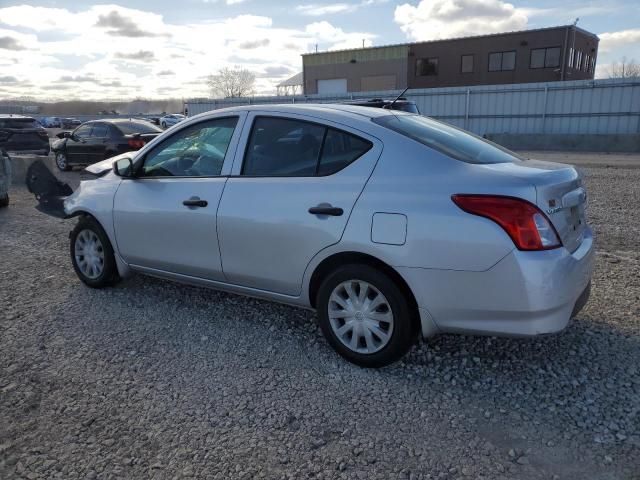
pixel 327 111
pixel 118 120
pixel 5 116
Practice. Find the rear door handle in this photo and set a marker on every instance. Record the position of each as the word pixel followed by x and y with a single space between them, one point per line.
pixel 333 211
pixel 195 202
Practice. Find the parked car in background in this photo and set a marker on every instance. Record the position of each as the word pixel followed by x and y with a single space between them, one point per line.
pixel 171 119
pixel 23 134
pixel 70 122
pixel 51 122
pixel 401 104
pixel 5 178
pixel 389 224
pixel 100 139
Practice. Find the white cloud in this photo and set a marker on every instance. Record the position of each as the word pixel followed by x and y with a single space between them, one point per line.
pixel 316 10
pixel 122 52
pixel 624 38
pixel 436 19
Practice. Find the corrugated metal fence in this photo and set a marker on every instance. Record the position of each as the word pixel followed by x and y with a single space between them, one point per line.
pixel 579 107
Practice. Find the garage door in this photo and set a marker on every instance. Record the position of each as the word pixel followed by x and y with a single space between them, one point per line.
pixel 335 85
pixel 378 82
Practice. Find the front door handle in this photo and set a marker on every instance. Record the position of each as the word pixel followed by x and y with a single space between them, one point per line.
pixel 328 210
pixel 195 202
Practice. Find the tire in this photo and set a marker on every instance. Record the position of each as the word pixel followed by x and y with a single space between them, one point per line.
pixel 387 341
pixel 62 162
pixel 98 270
pixel 4 200
pixel 164 125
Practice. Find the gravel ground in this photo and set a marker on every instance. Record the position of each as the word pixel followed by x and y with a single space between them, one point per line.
pixel 156 380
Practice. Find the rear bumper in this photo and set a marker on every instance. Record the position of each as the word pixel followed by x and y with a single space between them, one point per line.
pixel 525 294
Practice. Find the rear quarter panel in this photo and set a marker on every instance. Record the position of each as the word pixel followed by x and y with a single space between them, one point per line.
pixel 415 181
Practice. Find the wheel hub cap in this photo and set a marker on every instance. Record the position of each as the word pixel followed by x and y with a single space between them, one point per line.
pixel 360 316
pixel 89 254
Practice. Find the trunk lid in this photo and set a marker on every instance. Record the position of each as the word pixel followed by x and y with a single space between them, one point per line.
pixel 559 194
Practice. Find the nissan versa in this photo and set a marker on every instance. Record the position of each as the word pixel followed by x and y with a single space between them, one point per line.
pixel 391 225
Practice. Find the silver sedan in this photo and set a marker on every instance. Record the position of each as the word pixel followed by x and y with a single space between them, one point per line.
pixel 390 225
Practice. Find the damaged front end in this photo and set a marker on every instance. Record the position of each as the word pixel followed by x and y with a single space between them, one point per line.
pixel 48 190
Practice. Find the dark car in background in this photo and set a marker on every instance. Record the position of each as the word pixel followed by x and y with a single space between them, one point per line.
pixel 23 134
pixel 401 104
pixel 70 122
pixel 98 140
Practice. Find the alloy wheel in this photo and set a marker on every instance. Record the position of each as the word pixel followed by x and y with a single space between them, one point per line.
pixel 89 254
pixel 61 160
pixel 360 316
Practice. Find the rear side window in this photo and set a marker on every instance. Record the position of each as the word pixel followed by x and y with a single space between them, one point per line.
pixel 280 147
pixel 448 140
pixel 339 150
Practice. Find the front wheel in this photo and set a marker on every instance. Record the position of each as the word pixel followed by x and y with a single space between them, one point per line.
pixel 92 255
pixel 62 162
pixel 164 125
pixel 4 201
pixel 365 316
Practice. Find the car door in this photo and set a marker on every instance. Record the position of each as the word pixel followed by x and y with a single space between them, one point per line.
pixel 290 195
pixel 77 146
pixel 97 142
pixel 165 217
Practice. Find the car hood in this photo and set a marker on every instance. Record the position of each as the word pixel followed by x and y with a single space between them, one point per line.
pixel 100 168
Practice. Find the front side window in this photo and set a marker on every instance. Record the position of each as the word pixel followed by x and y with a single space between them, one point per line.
pixel 83 131
pixel 426 67
pixel 446 139
pixel 466 64
pixel 196 151
pixel 281 147
pixel 100 130
pixel 502 61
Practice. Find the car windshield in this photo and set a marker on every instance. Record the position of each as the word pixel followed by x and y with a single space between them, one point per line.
pixel 18 123
pixel 129 128
pixel 446 139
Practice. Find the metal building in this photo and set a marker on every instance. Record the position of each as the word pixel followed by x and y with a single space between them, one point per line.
pixel 541 55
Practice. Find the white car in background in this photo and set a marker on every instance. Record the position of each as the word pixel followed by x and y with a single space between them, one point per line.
pixel 171 119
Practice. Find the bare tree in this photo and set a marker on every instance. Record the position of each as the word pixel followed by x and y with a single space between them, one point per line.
pixel 232 82
pixel 624 69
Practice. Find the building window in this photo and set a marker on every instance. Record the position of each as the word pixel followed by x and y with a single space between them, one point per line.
pixel 571 54
pixel 502 61
pixel 466 65
pixel 426 66
pixel 545 57
pixel 578 60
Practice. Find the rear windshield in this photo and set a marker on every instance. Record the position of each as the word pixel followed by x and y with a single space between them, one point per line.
pixel 18 123
pixel 129 128
pixel 451 141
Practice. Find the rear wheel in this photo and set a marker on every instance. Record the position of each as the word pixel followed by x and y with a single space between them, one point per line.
pixel 4 200
pixel 365 316
pixel 164 125
pixel 62 162
pixel 92 255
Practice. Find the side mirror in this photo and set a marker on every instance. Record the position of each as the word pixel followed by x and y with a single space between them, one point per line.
pixel 123 167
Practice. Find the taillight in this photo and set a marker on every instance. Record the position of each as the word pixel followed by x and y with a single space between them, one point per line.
pixel 525 223
pixel 136 143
